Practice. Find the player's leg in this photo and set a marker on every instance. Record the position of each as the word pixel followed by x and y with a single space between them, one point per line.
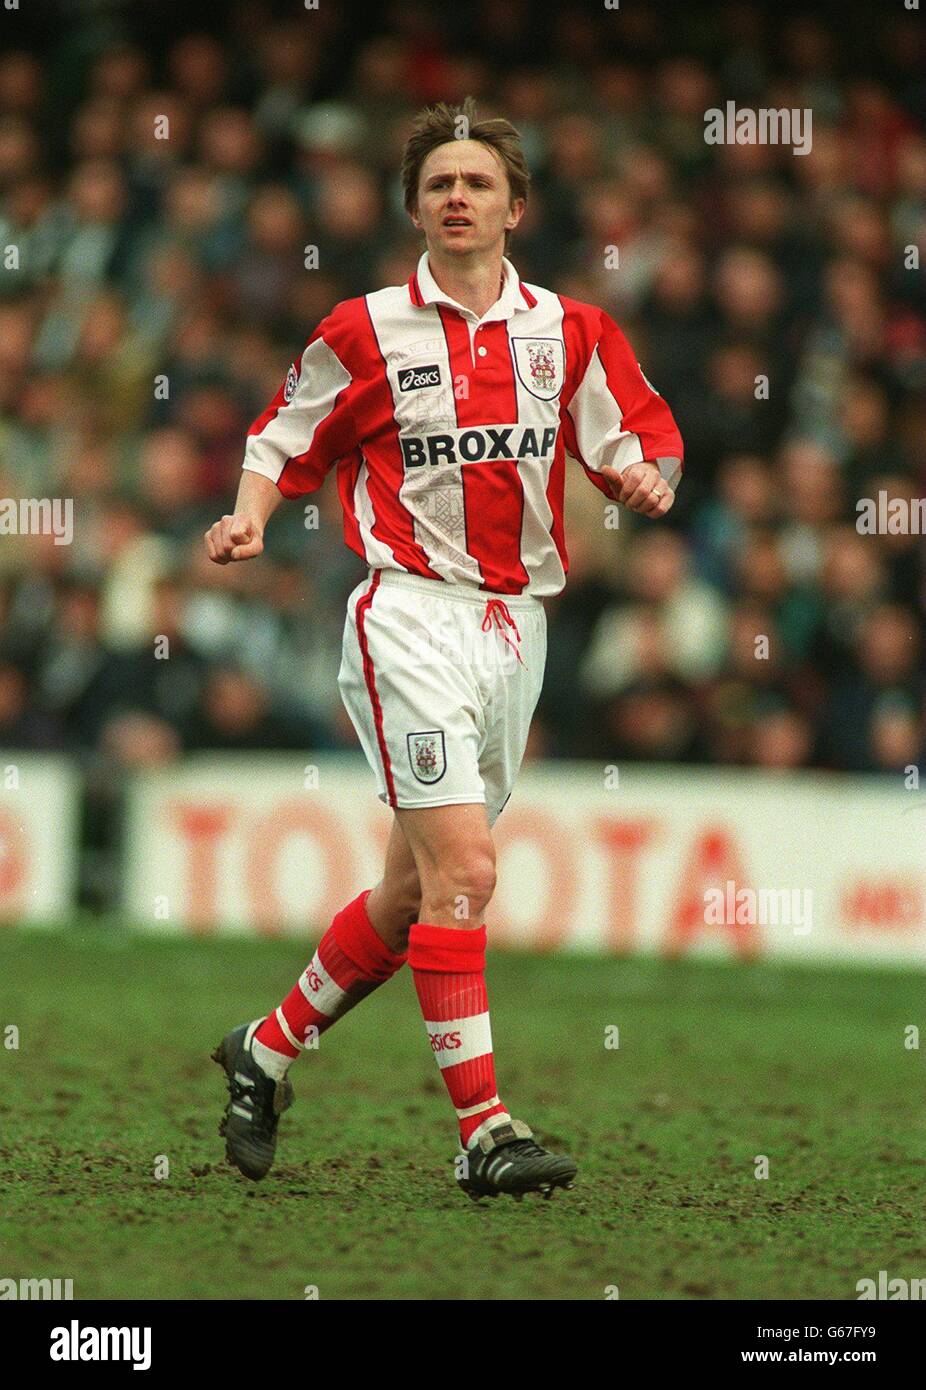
pixel 351 961
pixel 395 901
pixel 455 858
pixel 359 952
pixel 354 957
pixel 364 946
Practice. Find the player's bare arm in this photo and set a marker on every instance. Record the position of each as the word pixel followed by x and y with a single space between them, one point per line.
pixel 241 535
pixel 640 487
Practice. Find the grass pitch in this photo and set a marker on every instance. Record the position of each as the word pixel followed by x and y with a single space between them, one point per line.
pixel 717 1064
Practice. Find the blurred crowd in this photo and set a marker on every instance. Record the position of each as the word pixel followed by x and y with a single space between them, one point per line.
pixel 161 293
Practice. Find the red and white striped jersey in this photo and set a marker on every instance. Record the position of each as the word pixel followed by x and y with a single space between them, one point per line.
pixel 451 433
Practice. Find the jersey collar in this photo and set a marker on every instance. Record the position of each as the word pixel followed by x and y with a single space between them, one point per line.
pixel 423 290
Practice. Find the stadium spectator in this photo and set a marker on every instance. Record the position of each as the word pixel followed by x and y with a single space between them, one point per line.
pixel 165 236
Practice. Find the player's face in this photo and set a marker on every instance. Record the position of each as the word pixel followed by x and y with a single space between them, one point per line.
pixel 464 200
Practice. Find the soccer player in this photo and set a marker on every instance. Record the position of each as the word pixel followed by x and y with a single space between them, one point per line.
pixel 450 407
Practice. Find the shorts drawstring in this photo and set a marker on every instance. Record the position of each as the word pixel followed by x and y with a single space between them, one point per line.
pixel 497 609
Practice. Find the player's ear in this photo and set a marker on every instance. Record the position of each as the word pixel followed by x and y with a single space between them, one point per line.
pixel 413 214
pixel 515 213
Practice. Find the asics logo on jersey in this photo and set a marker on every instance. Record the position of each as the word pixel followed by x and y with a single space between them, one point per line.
pixel 413 378
pixel 483 445
pixel 445 1042
pixel 313 980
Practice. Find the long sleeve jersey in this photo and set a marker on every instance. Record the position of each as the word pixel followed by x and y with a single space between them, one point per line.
pixel 451 433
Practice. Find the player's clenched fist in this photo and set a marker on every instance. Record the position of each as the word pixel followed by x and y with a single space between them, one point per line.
pixel 234 538
pixel 641 487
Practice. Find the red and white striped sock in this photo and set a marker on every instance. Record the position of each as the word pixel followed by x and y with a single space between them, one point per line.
pixel 351 961
pixel 448 964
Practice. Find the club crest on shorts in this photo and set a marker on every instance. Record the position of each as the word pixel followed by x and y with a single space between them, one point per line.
pixel 541 365
pixel 426 755
pixel 292 381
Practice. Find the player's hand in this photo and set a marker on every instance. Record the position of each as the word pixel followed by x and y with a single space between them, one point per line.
pixel 641 487
pixel 234 538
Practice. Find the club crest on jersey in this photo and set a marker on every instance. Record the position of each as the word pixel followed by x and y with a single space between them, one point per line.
pixel 292 381
pixel 426 755
pixel 541 365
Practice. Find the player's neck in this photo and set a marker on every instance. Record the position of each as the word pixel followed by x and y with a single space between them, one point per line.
pixel 477 285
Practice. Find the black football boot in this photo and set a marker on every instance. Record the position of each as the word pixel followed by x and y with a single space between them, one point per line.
pixel 256 1103
pixel 507 1160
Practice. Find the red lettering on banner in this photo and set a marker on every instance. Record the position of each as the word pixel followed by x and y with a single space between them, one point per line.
pixel 556 852
pixel 201 827
pixel 713 863
pixel 12 864
pixel 266 838
pixel 625 841
pixel 888 904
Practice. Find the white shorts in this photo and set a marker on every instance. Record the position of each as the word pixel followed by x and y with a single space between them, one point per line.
pixel 441 683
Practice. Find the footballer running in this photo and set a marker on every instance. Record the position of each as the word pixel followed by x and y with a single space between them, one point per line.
pixel 450 408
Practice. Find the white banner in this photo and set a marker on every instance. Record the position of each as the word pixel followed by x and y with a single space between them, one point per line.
pixel 38 836
pixel 675 861
pixel 691 861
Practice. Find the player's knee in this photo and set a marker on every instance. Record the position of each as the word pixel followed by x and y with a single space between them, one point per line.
pixel 482 879
pixel 395 927
pixel 403 896
pixel 393 905
pixel 463 890
pixel 408 902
